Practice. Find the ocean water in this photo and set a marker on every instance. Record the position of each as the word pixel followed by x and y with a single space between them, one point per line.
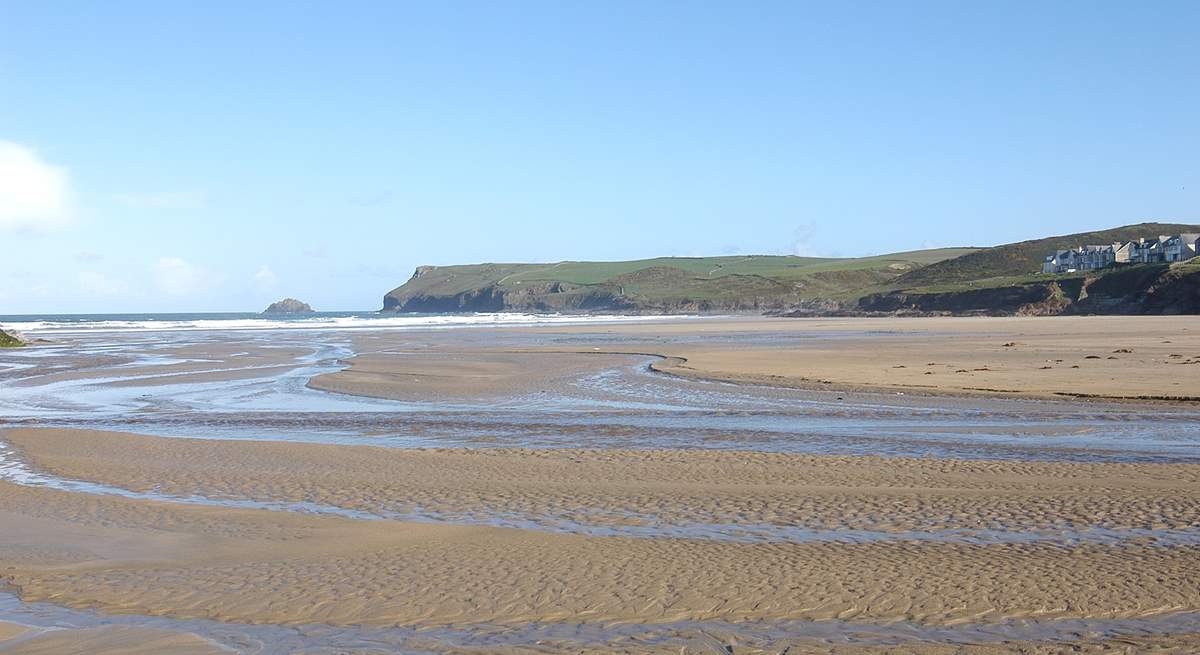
pixel 35 325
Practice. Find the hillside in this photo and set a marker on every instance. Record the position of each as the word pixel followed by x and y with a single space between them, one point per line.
pixel 1002 280
pixel 1025 257
pixel 1143 289
pixel 999 280
pixel 666 284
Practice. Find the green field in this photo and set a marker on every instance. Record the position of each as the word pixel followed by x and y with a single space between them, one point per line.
pixel 726 281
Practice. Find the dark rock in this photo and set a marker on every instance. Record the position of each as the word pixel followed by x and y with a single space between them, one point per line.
pixel 288 306
pixel 9 340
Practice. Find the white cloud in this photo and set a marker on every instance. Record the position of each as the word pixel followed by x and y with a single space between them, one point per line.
pixel 98 284
pixel 34 195
pixel 265 278
pixel 177 277
pixel 162 200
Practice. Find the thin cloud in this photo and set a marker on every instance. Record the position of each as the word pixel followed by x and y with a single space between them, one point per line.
pixel 265 278
pixel 177 277
pixel 86 257
pixel 35 196
pixel 98 284
pixel 162 200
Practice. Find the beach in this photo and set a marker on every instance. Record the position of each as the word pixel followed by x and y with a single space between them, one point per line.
pixel 699 484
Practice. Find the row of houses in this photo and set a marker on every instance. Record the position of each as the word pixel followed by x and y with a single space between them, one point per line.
pixel 1164 249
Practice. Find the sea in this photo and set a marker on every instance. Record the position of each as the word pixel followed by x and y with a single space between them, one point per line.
pixel 45 325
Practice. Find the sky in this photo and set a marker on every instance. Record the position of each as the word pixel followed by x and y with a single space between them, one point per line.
pixel 216 156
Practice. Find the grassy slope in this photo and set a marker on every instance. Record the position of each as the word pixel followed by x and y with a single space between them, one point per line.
pixel 701 278
pixel 1017 262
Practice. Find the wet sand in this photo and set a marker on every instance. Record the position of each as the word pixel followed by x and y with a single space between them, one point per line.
pixel 114 640
pixel 272 567
pixel 645 488
pixel 641 548
pixel 444 375
pixel 279 567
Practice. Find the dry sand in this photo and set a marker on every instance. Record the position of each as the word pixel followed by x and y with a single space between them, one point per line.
pixel 1117 357
pixel 1114 357
pixel 259 566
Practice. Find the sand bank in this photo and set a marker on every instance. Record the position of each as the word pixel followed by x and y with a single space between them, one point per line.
pixel 444 375
pixel 612 488
pixel 1113 357
pixel 123 555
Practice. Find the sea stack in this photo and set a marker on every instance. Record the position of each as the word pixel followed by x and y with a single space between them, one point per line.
pixel 288 306
pixel 9 341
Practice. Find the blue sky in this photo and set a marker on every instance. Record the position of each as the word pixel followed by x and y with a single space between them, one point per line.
pixel 162 157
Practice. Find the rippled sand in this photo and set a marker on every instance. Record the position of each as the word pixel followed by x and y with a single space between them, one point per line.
pixel 648 488
pixel 259 566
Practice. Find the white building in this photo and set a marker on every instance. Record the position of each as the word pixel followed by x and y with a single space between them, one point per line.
pixel 1180 247
pixel 1164 249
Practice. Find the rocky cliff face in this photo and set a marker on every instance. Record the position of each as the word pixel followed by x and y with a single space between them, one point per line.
pixel 1158 289
pixel 541 297
pixel 657 289
pixel 288 306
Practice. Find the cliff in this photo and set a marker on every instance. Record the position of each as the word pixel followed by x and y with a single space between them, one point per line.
pixel 1004 279
pixel 1146 289
pixel 667 285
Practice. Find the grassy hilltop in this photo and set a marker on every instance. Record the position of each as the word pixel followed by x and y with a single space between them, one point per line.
pixel 1004 279
pixel 733 283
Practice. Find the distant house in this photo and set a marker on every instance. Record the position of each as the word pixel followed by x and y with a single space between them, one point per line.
pixel 1062 261
pixel 1083 258
pixel 1147 251
pixel 1178 248
pixel 1123 252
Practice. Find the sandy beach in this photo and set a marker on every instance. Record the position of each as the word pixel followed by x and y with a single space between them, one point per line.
pixel 657 513
pixel 260 566
pixel 1107 357
pixel 1113 358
